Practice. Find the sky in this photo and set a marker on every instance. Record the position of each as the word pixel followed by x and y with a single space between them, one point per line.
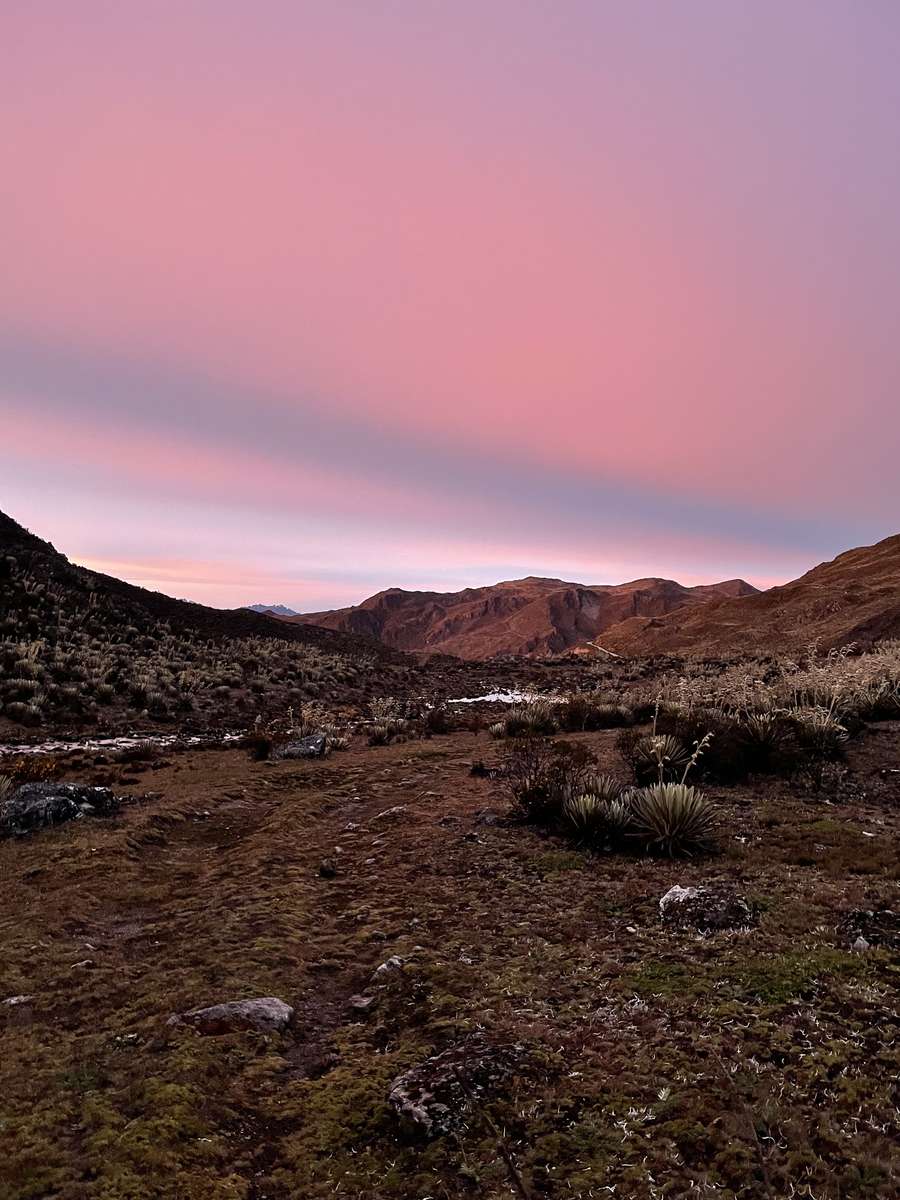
pixel 300 299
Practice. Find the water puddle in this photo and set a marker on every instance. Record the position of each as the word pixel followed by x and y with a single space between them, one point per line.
pixel 507 696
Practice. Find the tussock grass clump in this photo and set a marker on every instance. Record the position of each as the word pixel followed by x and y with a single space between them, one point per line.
pixel 655 756
pixel 582 712
pixel 820 732
pixel 585 816
pixel 537 718
pixel 671 818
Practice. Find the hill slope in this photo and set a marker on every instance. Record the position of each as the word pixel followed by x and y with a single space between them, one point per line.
pixel 46 566
pixel 854 598
pixel 530 616
pixel 80 647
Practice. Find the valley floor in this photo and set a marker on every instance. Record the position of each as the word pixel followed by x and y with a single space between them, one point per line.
pixel 649 1062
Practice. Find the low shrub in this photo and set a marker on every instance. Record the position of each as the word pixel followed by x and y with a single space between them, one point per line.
pixel 543 776
pixel 437 720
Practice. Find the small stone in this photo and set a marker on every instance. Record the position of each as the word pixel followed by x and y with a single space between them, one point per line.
pixel 861 945
pixel 391 812
pixel 388 967
pixel 85 964
pixel 361 1004
pixel 487 816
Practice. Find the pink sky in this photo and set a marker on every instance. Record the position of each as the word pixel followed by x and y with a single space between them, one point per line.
pixel 300 300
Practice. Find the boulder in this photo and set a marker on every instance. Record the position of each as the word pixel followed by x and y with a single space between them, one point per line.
pixel 35 805
pixel 266 1013
pixel 313 746
pixel 433 1098
pixel 879 928
pixel 708 908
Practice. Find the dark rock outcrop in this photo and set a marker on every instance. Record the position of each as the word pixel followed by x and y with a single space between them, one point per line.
pixel 313 746
pixel 35 805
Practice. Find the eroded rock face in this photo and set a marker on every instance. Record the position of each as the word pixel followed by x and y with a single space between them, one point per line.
pixel 433 1098
pixel 708 908
pixel 35 805
pixel 266 1013
pixel 307 747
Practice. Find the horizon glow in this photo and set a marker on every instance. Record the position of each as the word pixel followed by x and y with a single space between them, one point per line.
pixel 303 300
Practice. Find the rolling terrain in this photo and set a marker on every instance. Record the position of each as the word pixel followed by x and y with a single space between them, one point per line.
pixel 533 617
pixel 854 598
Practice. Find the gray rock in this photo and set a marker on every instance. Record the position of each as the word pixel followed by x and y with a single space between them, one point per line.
pixel 487 816
pixel 860 945
pixel 265 1013
pixel 708 909
pixel 36 805
pixel 387 968
pixel 433 1098
pixel 308 747
pixel 362 1004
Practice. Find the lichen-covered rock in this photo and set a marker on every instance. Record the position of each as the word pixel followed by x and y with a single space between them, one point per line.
pixel 389 967
pixel 35 805
pixel 434 1098
pixel 708 908
pixel 313 746
pixel 265 1013
pixel 879 927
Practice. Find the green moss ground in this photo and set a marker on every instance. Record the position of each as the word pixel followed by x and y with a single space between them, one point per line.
pixel 654 1063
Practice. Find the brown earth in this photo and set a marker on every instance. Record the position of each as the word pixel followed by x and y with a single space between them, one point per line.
pixel 533 616
pixel 854 598
pixel 739 1065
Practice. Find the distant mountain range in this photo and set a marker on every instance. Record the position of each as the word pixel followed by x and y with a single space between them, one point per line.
pixel 534 617
pixel 275 610
pixel 855 598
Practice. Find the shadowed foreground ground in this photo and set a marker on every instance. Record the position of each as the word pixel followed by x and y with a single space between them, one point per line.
pixel 651 1062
